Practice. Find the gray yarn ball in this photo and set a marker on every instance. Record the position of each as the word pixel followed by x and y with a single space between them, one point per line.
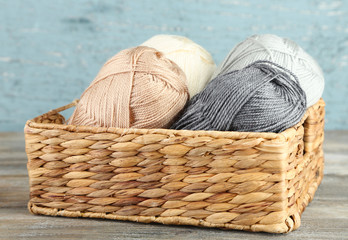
pixel 262 97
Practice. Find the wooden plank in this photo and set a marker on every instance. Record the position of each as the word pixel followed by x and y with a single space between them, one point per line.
pixel 318 223
pixel 325 218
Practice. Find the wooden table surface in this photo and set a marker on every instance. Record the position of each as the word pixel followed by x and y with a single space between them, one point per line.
pixel 326 217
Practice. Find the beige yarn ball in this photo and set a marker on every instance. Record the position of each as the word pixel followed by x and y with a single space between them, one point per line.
pixel 136 88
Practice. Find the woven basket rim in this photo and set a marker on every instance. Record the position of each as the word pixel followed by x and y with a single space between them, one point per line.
pixel 282 136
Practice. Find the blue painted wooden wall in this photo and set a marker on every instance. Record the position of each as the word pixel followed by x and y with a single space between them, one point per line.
pixel 51 50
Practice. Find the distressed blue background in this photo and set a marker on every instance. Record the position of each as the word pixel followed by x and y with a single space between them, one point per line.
pixel 51 50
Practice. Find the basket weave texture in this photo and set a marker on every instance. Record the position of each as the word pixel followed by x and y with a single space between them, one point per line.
pixel 235 180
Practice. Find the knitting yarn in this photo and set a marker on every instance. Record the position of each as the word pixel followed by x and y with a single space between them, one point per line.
pixel 262 97
pixel 136 88
pixel 196 62
pixel 282 51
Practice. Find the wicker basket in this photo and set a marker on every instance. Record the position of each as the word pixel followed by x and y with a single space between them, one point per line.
pixel 235 180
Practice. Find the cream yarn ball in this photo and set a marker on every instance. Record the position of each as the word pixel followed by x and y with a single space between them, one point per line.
pixel 282 51
pixel 196 62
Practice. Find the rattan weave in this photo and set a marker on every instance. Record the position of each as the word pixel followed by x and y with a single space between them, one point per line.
pixel 236 180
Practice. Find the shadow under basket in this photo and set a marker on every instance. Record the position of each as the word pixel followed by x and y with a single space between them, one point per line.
pixel 236 180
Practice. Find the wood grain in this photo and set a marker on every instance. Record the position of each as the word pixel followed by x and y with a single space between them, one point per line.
pixel 326 217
